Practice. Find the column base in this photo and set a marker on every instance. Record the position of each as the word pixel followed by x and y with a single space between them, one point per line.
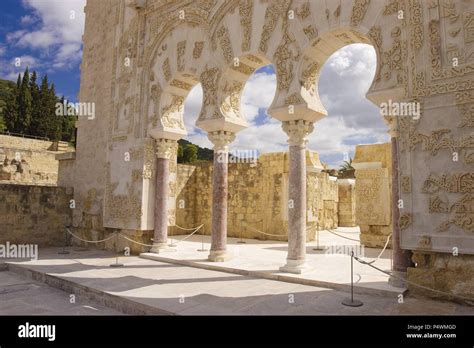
pixel 398 282
pixel 219 256
pixel 294 266
pixel 159 248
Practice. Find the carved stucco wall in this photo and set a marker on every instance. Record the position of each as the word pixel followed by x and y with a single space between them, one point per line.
pixel 437 151
pixel 140 64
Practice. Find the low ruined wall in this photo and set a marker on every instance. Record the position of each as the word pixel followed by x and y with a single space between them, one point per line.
pixel 347 203
pixel 257 199
pixel 29 161
pixel 34 214
pixel 444 272
pixel 373 193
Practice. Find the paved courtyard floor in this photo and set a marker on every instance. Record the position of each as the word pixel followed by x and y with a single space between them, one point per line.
pixel 20 295
pixel 330 267
pixel 158 287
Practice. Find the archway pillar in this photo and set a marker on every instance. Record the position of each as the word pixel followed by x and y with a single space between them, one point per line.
pixel 401 259
pixel 297 138
pixel 165 150
pixel 221 141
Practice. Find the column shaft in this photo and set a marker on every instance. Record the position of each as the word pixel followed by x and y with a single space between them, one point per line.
pixel 161 201
pixel 219 202
pixel 297 204
pixel 165 150
pixel 297 133
pixel 221 140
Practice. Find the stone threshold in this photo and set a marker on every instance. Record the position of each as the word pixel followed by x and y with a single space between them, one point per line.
pixel 118 303
pixel 278 276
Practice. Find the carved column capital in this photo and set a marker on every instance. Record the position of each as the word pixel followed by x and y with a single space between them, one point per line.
pixel 165 148
pixel 297 131
pixel 221 139
pixel 392 123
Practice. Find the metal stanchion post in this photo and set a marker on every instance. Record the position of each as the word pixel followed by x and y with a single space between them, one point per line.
pixel 240 241
pixel 318 248
pixel 64 251
pixel 351 302
pixel 116 264
pixel 202 244
pixel 202 241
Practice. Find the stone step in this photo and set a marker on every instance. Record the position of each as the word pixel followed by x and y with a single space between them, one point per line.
pixel 118 303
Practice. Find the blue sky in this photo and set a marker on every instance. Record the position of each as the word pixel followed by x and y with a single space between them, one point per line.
pixel 47 36
pixel 351 120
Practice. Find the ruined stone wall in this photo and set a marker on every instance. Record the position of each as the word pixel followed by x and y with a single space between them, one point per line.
pixel 257 199
pixel 373 193
pixel 34 214
pixel 347 203
pixel 445 272
pixel 29 161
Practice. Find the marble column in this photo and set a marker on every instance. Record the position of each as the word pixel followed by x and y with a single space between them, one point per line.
pixel 221 140
pixel 297 133
pixel 165 150
pixel 401 259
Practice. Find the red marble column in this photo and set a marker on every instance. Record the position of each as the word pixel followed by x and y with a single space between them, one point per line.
pixel 165 150
pixel 297 132
pixel 221 140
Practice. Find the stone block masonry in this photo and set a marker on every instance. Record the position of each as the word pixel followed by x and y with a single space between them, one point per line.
pixel 347 204
pixel 373 193
pixel 29 161
pixel 257 199
pixel 34 214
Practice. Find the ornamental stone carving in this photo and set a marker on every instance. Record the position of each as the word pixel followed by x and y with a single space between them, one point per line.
pixel 298 132
pixel 221 140
pixel 165 148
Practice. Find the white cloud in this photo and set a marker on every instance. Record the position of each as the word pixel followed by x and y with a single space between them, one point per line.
pixel 37 39
pixel 26 20
pixel 258 93
pixel 352 119
pixel 57 35
pixel 63 19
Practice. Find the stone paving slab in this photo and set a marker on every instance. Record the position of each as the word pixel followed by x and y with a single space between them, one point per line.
pixel 263 258
pixel 20 295
pixel 150 287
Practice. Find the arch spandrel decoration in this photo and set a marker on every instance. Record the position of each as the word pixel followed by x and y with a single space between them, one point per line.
pixel 415 42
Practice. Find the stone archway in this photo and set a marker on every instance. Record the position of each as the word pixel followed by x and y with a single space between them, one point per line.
pixel 174 44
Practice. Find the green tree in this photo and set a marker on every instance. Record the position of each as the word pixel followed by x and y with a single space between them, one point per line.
pixel 35 101
pixel 25 107
pixel 47 123
pixel 190 152
pixel 11 112
pixel 346 169
pixel 180 154
pixel 68 126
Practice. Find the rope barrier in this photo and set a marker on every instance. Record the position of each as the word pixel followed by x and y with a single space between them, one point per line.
pixel 188 229
pixel 182 240
pixel 275 235
pixel 383 250
pixel 134 241
pixel 412 283
pixel 89 241
pixel 331 231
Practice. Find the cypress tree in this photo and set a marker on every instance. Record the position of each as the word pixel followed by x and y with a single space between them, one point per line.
pixel 55 121
pixel 10 115
pixel 24 105
pixel 34 91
